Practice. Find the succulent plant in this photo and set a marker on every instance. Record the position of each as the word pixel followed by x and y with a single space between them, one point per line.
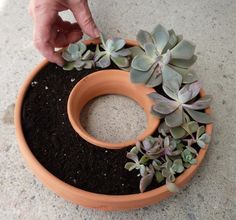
pixel 77 57
pixel 136 164
pixel 113 50
pixel 147 178
pixel 165 53
pixel 181 99
pixel 156 147
pixel 187 128
pixel 170 168
pixel 189 157
pixel 202 138
pixel 155 154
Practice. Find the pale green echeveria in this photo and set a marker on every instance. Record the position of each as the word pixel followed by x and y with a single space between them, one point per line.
pixel 113 50
pixel 181 99
pixel 164 52
pixel 188 157
pixel 77 56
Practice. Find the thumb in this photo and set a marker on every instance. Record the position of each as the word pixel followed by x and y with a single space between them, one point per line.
pixel 84 18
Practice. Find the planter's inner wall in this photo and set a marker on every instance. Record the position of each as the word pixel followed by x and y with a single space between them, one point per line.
pixel 113 118
pixel 60 149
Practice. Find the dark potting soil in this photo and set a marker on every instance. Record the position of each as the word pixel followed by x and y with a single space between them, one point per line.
pixel 60 149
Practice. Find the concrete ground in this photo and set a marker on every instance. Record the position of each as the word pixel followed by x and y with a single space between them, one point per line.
pixel 211 24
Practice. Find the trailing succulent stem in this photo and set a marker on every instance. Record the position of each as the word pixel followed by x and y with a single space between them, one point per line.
pixel 163 157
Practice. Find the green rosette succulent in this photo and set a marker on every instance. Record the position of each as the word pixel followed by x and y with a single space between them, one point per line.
pixel 113 50
pixel 189 157
pixel 77 56
pixel 165 53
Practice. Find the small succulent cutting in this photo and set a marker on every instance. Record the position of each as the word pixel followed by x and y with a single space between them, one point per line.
pixel 165 53
pixel 113 50
pixel 77 57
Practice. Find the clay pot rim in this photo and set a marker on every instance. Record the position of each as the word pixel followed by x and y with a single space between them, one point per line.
pixel 146 104
pixel 45 174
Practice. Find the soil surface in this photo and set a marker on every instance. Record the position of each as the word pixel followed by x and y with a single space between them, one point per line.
pixel 60 149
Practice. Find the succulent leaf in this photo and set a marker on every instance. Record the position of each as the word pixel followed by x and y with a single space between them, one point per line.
pixel 130 166
pixel 183 50
pixel 144 37
pixel 200 117
pixel 135 51
pixel 175 119
pixel 132 157
pixel 122 53
pixel 142 62
pixel 188 75
pixel 118 43
pixel 104 61
pixel 172 40
pixel 155 79
pixel 150 50
pixel 177 132
pixel 68 66
pixel 145 181
pixel 165 107
pixel 203 140
pixel 134 150
pixel 137 76
pixel 177 166
pixel 190 127
pixel 67 56
pixel 159 177
pixel 160 37
pixel 200 131
pixel 189 91
pixel 202 103
pixel 171 81
pixel 188 157
pixel 184 63
pixel 120 61
pixel 172 187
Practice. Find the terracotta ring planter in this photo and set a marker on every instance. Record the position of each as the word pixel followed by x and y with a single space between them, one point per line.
pixel 85 198
pixel 109 82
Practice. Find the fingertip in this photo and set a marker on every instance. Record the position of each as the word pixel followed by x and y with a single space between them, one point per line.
pixel 96 32
pixel 59 60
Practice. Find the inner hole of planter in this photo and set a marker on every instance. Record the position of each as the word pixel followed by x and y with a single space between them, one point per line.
pixel 113 118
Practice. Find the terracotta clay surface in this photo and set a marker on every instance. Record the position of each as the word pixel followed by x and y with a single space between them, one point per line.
pixel 88 199
pixel 109 82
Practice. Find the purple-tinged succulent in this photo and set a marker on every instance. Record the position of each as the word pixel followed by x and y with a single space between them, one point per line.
pixel 147 178
pixel 165 53
pixel 181 99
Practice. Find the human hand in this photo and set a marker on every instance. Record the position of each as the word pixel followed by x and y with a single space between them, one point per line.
pixel 50 31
